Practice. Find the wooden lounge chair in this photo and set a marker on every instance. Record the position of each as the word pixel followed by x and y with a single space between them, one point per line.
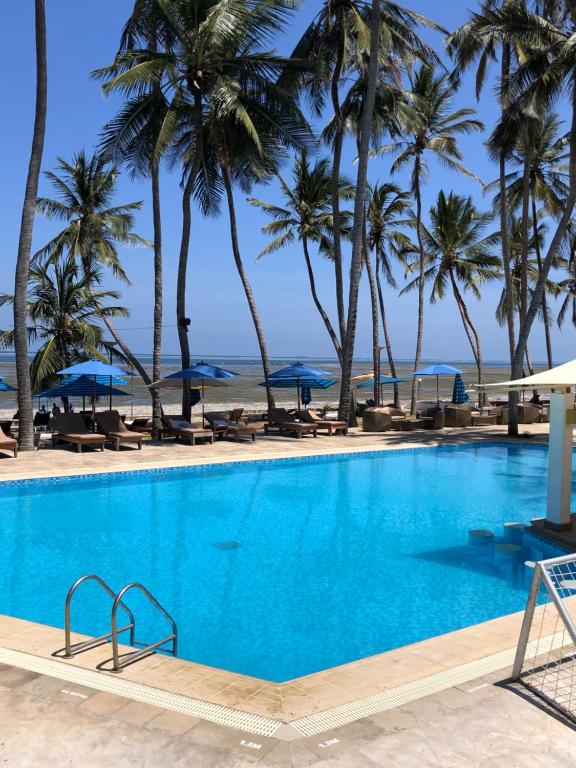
pixel 280 419
pixel 236 415
pixel 179 428
pixel 229 428
pixel 331 425
pixel 8 443
pixel 72 429
pixel 141 424
pixel 111 425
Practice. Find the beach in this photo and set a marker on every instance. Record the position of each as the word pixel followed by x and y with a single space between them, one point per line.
pixel 244 390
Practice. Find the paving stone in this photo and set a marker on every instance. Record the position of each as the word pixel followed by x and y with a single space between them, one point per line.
pixel 137 712
pixel 15 678
pixel 173 722
pixel 103 703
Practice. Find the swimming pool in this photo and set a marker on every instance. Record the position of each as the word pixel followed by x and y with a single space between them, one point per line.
pixel 281 568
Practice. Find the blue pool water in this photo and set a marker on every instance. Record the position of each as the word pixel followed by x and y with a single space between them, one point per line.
pixel 281 568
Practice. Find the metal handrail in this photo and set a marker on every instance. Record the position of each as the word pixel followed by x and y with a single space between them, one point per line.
pixel 72 650
pixel 147 649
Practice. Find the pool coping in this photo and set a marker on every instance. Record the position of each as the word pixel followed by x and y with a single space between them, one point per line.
pixel 301 706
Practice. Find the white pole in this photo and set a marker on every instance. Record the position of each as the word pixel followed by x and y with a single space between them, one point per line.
pixel 559 461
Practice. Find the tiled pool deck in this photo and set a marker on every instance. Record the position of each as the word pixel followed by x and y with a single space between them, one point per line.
pixel 292 722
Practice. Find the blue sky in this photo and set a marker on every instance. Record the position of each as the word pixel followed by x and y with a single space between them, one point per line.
pixel 83 36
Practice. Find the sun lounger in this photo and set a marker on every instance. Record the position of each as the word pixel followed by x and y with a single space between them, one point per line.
pixel 179 428
pixel 8 443
pixel 72 429
pixel 331 425
pixel 280 419
pixel 110 424
pixel 236 415
pixel 229 428
pixel 141 424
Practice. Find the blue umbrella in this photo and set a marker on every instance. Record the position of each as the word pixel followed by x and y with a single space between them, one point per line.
pixel 383 380
pixel 96 368
pixel 117 381
pixel 438 369
pixel 80 386
pixel 459 395
pixel 199 374
pixel 299 375
pixel 5 387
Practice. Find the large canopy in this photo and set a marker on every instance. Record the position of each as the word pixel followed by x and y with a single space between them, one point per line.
pixel 369 383
pixel 560 377
pixel 202 372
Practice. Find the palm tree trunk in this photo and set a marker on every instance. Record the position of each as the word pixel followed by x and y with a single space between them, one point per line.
pixel 245 282
pixel 335 191
pixel 387 340
pixel 525 234
pixel 181 319
pixel 547 334
pixel 25 405
pixel 555 243
pixel 421 281
pixel 375 321
pixel 475 343
pixel 359 213
pixel 157 333
pixel 317 302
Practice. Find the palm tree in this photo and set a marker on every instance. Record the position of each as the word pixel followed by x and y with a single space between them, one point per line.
pixel 431 128
pixel 547 70
pixel 386 215
pixel 335 42
pixel 25 410
pixel 306 216
pixel 538 179
pixel 131 138
pixel 65 314
pixel 93 226
pixel 459 258
pixel 211 51
pixel 480 40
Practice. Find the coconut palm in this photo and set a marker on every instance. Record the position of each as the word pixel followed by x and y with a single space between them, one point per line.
pixel 130 138
pixel 539 177
pixel 212 51
pixel 25 410
pixel 65 317
pixel 336 42
pixel 431 129
pixel 94 228
pixel 306 215
pixel 386 215
pixel 547 70
pixel 481 40
pixel 459 257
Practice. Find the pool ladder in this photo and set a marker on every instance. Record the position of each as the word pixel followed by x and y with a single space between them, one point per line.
pixel 118 663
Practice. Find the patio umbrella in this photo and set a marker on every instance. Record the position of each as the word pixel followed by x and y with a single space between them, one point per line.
pixel 5 387
pixel 199 376
pixel 438 369
pixel 368 383
pixel 299 376
pixel 459 395
pixel 95 368
pixel 82 386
